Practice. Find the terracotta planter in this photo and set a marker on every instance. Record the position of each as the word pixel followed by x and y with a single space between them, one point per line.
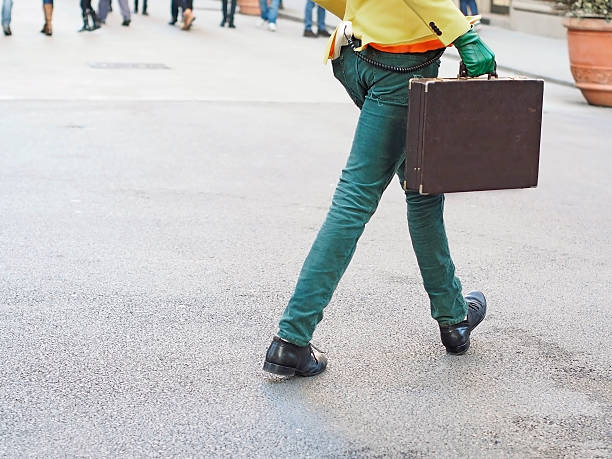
pixel 250 7
pixel 590 52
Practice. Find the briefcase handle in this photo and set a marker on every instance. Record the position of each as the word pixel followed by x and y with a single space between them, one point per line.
pixel 463 71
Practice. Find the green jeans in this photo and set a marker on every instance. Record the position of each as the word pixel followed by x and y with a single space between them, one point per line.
pixel 376 156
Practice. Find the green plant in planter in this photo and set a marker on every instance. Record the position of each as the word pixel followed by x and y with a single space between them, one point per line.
pixel 587 8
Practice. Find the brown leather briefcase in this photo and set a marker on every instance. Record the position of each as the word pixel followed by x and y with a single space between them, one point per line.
pixel 471 134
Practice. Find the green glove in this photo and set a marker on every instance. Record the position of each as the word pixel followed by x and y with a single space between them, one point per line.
pixel 476 56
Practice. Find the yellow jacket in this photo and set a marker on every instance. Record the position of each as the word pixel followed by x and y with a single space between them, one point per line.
pixel 398 22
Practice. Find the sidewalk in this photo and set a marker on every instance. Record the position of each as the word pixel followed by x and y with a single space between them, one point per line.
pixel 517 52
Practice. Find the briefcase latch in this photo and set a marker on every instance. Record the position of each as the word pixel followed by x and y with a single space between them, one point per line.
pixel 405 186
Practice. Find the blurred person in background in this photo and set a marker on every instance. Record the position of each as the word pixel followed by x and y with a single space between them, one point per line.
pixel 48 14
pixel 228 17
pixel 104 8
pixel 268 14
pixel 88 12
pixel 321 30
pixel 144 7
pixel 7 6
pixel 174 10
pixel 464 4
pixel 188 16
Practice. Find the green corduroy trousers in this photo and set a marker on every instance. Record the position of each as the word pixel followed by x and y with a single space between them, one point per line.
pixel 377 155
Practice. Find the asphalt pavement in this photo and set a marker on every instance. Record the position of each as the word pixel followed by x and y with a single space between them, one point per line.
pixel 159 190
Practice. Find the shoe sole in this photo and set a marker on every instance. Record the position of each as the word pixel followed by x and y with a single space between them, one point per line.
pixel 287 371
pixel 278 369
pixel 459 350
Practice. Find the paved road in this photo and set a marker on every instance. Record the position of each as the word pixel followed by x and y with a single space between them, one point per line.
pixel 153 225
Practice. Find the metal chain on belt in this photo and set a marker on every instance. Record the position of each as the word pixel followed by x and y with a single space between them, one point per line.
pixel 393 68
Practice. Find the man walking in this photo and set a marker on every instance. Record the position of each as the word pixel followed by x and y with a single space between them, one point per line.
pixel 321 30
pixel 395 34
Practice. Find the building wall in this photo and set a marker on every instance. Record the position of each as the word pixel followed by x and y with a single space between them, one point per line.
pixel 538 17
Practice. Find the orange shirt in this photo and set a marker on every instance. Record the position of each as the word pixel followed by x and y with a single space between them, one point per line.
pixel 421 47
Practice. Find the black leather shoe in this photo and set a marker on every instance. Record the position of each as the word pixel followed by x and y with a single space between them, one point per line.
pixel 6 29
pixel 287 359
pixel 456 338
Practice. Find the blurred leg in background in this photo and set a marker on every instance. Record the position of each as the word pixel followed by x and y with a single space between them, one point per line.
pixel 464 4
pixel 174 7
pixel 48 13
pixel 188 16
pixel 228 16
pixel 7 6
pixel 88 13
pixel 269 13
